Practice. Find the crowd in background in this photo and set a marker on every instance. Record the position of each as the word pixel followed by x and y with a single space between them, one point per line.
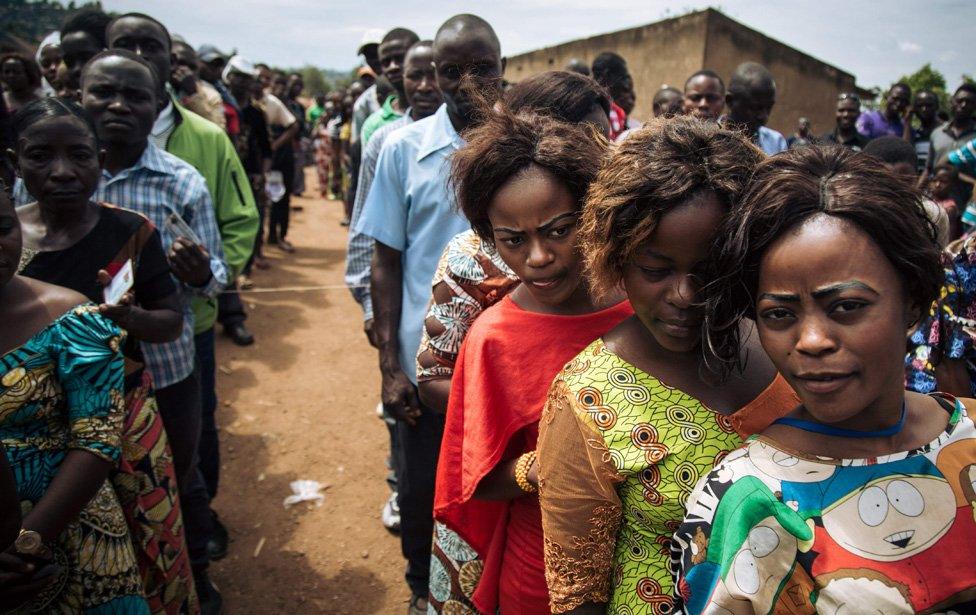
pixel 681 365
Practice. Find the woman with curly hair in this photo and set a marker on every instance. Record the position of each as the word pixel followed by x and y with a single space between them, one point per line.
pixel 471 276
pixel 863 494
pixel 635 419
pixel 520 180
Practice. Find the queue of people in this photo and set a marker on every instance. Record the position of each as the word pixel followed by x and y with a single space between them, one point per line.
pixel 131 165
pixel 567 476
pixel 688 365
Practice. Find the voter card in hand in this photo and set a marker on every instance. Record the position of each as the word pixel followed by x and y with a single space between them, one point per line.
pixel 177 226
pixel 120 284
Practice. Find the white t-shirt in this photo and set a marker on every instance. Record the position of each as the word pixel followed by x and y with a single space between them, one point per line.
pixel 163 127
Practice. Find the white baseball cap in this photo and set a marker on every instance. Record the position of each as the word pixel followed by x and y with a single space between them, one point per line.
pixel 373 36
pixel 239 64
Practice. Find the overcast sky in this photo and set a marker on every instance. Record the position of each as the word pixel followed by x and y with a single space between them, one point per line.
pixel 876 41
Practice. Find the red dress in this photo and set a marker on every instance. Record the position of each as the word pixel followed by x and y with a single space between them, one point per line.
pixel 499 388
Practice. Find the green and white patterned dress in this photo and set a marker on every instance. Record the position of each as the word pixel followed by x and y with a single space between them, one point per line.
pixel 619 454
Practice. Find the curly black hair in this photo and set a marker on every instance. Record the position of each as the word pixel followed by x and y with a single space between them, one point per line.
pixel 507 144
pixel 785 191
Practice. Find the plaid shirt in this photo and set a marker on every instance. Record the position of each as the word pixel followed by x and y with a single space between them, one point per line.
pixel 359 250
pixel 157 185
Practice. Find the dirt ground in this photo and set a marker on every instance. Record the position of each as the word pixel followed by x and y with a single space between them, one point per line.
pixel 300 404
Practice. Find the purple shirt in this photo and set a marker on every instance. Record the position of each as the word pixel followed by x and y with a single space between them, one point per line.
pixel 874 124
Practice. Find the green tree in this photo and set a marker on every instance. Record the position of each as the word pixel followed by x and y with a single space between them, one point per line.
pixel 315 81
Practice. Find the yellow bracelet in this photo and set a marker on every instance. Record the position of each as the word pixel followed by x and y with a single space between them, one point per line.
pixel 522 467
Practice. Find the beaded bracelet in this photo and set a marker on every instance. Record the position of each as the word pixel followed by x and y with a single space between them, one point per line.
pixel 522 467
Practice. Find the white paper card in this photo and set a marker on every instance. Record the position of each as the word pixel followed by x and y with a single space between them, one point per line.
pixel 121 283
pixel 177 226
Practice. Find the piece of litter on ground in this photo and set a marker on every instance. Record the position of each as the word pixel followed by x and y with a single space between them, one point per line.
pixel 225 370
pixel 260 477
pixel 257 549
pixel 305 491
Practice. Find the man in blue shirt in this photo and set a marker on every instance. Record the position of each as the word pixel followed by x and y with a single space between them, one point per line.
pixel 750 99
pixel 423 99
pixel 410 213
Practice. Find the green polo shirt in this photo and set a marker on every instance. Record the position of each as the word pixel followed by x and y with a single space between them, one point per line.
pixel 205 146
pixel 378 119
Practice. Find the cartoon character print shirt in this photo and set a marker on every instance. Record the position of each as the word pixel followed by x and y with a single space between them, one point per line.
pixel 775 531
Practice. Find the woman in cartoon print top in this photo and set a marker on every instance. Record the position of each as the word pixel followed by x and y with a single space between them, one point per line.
pixel 863 496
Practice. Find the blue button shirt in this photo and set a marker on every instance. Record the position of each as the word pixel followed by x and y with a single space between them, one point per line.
pixel 410 208
pixel 359 247
pixel 771 141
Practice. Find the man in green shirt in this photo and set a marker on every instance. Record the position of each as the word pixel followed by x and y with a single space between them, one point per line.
pixel 205 146
pixel 315 111
pixel 392 51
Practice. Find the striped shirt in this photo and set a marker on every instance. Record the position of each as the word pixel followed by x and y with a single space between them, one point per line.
pixel 359 250
pixel 157 185
pixel 964 158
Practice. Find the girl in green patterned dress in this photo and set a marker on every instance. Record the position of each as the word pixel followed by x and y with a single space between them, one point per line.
pixel 634 420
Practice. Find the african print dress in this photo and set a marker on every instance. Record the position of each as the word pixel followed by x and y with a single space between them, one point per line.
pixel 948 331
pixel 802 534
pixel 470 277
pixel 145 480
pixel 619 454
pixel 60 391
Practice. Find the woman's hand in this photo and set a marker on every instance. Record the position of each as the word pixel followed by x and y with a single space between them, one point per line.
pixel 533 474
pixel 121 312
pixel 156 322
pixel 21 579
pixel 501 484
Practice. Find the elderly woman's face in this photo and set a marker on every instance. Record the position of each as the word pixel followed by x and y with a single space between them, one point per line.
pixel 832 315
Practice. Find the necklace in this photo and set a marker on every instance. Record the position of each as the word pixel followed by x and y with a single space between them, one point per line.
pixel 829 430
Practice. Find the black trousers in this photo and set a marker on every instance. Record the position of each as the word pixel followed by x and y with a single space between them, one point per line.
pixel 355 158
pixel 180 408
pixel 261 200
pixel 419 447
pixel 208 450
pixel 284 161
pixel 230 308
pixel 393 460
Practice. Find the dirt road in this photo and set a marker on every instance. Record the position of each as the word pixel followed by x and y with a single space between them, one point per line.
pixel 300 404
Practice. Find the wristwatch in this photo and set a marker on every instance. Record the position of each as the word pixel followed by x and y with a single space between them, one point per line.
pixel 29 542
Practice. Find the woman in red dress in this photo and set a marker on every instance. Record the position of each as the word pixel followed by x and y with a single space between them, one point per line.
pixel 521 181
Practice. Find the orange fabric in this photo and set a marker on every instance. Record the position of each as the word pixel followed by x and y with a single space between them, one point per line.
pixel 778 400
pixel 501 379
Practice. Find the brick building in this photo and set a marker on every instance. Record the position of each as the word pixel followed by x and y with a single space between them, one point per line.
pixel 666 52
